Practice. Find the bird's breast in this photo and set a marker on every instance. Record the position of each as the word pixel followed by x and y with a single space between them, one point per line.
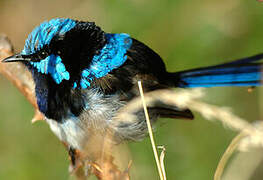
pixel 94 120
pixel 99 120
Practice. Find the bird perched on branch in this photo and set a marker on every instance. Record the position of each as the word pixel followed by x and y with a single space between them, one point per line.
pixel 84 75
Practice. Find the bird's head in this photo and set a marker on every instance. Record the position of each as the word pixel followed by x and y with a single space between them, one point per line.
pixel 72 52
pixel 60 49
pixel 65 54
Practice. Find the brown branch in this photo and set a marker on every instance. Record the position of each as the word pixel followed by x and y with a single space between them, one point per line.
pixel 18 75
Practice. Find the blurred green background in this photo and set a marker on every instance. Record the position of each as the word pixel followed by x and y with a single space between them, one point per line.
pixel 186 34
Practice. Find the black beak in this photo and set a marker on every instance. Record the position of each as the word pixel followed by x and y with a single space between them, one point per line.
pixel 16 58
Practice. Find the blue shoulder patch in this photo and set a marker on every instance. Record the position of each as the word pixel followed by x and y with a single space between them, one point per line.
pixel 111 56
pixel 43 34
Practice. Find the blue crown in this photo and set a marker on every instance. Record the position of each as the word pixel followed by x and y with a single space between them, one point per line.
pixel 43 34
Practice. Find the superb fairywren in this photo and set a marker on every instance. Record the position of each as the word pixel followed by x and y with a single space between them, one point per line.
pixel 83 76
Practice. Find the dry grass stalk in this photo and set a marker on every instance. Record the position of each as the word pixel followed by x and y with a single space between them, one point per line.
pixel 227 154
pixel 190 99
pixel 162 155
pixel 160 170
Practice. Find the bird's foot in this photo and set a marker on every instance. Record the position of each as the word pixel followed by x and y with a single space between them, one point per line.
pixel 75 159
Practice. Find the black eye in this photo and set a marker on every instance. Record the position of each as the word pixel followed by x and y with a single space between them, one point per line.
pixel 43 54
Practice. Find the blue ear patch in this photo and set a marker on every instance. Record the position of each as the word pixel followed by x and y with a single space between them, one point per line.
pixel 52 65
pixel 111 56
pixel 43 34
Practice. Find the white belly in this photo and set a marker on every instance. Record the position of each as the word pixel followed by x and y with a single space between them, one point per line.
pixel 68 131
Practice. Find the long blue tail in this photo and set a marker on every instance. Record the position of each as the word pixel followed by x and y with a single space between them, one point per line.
pixel 242 72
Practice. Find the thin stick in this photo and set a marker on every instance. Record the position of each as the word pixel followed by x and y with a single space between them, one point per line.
pixel 150 132
pixel 162 160
pixel 227 154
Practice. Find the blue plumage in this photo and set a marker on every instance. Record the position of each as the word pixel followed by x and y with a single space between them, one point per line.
pixel 243 72
pixel 43 34
pixel 228 76
pixel 83 76
pixel 111 56
pixel 52 65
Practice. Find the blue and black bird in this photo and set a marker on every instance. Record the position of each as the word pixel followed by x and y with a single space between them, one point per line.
pixel 84 75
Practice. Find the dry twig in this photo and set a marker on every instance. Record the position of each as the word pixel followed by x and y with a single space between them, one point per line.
pixel 160 170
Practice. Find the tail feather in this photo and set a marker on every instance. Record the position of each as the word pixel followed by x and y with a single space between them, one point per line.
pixel 242 72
